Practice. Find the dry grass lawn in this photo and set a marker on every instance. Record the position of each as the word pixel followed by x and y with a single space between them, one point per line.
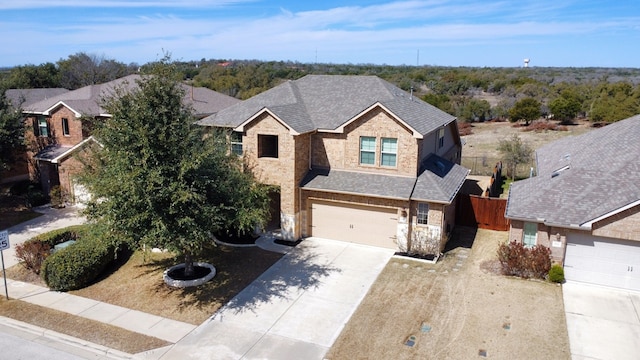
pixel 458 308
pixel 136 283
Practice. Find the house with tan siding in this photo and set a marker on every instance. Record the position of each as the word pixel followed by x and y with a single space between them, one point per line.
pixel 354 158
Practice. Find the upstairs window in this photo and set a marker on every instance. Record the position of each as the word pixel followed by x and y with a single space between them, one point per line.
pixel 268 146
pixel 65 126
pixel 42 128
pixel 367 150
pixel 422 217
pixel 236 143
pixel 440 138
pixel 388 152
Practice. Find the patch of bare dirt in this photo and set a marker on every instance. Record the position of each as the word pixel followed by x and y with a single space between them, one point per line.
pixel 458 308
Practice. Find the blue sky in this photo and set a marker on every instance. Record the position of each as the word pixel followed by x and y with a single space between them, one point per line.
pixel 491 33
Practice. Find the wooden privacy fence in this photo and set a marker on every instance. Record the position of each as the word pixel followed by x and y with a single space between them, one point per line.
pixel 481 212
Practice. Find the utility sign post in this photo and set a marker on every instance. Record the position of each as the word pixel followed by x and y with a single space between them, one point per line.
pixel 4 245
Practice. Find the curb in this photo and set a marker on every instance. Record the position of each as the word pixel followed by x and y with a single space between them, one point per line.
pixel 63 339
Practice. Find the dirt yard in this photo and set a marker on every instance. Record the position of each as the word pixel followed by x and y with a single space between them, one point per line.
pixel 486 136
pixel 458 308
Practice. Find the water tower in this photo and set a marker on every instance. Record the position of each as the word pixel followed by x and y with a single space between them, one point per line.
pixel 526 62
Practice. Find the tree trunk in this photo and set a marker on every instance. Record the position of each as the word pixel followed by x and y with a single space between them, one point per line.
pixel 188 264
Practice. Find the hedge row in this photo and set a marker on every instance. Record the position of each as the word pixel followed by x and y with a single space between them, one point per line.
pixel 77 265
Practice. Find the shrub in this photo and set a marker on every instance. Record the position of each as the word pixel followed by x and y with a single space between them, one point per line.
pixel 32 253
pixel 57 197
pixel 55 237
pixel 517 260
pixel 556 273
pixel 78 265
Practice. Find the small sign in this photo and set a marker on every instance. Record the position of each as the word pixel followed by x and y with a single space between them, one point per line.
pixel 556 244
pixel 4 240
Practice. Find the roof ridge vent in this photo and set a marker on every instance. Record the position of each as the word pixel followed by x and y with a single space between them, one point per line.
pixel 558 171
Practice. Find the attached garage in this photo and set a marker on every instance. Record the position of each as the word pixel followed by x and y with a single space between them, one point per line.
pixel 368 225
pixel 602 261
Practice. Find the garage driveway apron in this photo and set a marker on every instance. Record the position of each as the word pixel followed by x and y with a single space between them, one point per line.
pixel 603 323
pixel 295 310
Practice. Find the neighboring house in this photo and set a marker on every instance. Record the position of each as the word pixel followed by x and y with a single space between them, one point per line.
pixel 19 99
pixel 584 205
pixel 59 128
pixel 355 158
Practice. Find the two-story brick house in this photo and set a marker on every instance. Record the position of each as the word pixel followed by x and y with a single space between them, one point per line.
pixel 60 127
pixel 355 158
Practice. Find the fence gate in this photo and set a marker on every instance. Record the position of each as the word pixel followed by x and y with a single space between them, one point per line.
pixel 482 212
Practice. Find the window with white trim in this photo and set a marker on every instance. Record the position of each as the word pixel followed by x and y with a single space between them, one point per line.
pixel 43 126
pixel 530 234
pixel 422 216
pixel 65 126
pixel 440 138
pixel 388 152
pixel 236 143
pixel 367 150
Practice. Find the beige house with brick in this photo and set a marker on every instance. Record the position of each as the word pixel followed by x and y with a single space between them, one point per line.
pixel 355 158
pixel 584 204
pixel 58 128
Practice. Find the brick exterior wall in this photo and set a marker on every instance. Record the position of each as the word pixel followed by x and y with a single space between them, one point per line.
pixel 56 131
pixel 342 151
pixel 280 171
pixel 624 225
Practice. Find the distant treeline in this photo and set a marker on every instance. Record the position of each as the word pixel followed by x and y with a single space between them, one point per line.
pixel 470 93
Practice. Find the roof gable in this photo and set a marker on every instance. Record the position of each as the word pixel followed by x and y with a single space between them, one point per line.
pixel 86 100
pixel 329 102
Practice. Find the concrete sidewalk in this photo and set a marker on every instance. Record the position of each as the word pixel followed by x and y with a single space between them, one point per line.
pixel 136 321
pixel 295 310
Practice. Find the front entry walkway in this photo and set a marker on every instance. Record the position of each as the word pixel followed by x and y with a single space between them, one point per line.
pixel 296 309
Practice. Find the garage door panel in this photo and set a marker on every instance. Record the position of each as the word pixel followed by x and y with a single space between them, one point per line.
pixel 367 225
pixel 603 261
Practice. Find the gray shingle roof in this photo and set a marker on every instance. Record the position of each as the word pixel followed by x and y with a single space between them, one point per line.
pixel 352 182
pixel 582 178
pixel 439 182
pixel 329 101
pixel 26 97
pixel 86 100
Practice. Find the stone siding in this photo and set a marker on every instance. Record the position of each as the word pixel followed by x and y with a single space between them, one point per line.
pixel 624 225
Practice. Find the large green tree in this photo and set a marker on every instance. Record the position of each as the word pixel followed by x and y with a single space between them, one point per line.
pixel 527 110
pixel 11 131
pixel 159 180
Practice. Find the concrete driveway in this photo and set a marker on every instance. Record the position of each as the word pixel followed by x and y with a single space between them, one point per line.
pixel 295 310
pixel 603 323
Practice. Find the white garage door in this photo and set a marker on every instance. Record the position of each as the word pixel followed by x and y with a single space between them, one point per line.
pixel 367 225
pixel 603 261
